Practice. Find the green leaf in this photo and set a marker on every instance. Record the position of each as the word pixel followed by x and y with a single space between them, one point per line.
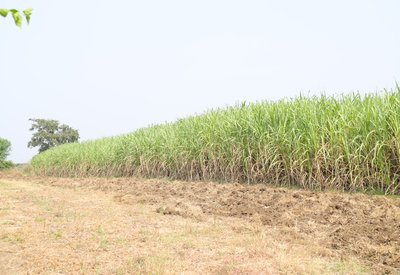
pixel 17 17
pixel 28 13
pixel 4 12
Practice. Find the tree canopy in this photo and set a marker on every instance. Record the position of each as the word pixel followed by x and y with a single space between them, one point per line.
pixel 17 15
pixel 5 148
pixel 49 133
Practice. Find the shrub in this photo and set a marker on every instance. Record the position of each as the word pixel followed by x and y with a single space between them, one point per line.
pixel 6 164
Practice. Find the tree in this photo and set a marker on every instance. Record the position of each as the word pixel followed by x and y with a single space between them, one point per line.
pixel 5 148
pixel 50 133
pixel 17 15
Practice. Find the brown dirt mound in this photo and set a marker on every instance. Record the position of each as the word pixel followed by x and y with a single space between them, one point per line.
pixel 360 225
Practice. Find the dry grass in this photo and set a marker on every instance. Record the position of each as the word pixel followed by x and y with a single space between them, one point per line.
pixel 47 229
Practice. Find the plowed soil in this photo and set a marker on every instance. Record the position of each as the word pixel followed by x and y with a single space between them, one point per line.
pixel 340 226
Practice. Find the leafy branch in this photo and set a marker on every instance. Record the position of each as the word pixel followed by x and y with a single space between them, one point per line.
pixel 17 15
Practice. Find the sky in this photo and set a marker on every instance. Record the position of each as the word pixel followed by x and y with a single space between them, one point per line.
pixel 110 67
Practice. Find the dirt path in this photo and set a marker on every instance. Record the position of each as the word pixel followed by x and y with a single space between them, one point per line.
pixel 128 226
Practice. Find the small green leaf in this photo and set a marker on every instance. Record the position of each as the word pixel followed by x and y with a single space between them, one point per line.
pixel 3 12
pixel 17 17
pixel 28 13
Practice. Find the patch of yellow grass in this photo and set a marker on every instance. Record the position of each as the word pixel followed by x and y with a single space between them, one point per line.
pixel 49 229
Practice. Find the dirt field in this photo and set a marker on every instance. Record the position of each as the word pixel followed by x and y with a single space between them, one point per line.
pixel 131 226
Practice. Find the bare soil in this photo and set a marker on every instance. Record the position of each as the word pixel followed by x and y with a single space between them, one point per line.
pixel 127 225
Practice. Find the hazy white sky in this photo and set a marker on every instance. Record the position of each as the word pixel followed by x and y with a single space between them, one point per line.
pixel 110 67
